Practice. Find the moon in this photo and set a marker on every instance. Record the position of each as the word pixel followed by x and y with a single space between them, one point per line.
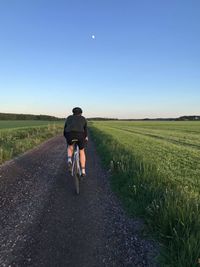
pixel 93 36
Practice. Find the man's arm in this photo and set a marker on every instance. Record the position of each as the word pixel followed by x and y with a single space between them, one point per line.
pixel 86 131
pixel 64 133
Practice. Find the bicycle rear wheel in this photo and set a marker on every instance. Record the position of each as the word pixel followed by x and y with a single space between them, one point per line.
pixel 76 179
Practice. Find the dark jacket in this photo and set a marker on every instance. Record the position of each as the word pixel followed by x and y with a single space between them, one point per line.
pixel 75 123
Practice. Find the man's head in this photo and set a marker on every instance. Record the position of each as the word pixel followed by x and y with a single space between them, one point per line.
pixel 77 111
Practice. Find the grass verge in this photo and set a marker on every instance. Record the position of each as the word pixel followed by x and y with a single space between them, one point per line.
pixel 18 140
pixel 170 209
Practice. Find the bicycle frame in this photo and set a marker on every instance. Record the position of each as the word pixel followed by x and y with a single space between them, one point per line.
pixel 76 161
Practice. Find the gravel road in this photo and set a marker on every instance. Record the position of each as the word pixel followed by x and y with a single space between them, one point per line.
pixel 43 223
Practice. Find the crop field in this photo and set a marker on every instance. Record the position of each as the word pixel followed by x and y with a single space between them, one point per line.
pixel 18 136
pixel 7 124
pixel 155 170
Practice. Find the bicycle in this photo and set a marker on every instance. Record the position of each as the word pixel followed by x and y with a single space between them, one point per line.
pixel 76 168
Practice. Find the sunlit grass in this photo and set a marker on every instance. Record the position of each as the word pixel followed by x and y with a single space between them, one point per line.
pixel 8 124
pixel 15 141
pixel 158 179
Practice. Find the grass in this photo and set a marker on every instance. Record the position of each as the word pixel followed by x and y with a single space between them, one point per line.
pixel 19 136
pixel 7 124
pixel 156 173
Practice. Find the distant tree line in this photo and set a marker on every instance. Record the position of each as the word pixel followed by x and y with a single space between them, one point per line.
pixel 189 118
pixel 101 119
pixel 13 116
pixel 182 118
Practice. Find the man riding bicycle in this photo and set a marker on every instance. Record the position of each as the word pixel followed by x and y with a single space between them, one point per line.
pixel 76 129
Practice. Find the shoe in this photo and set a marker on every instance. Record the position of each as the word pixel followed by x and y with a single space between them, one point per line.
pixel 70 167
pixel 83 174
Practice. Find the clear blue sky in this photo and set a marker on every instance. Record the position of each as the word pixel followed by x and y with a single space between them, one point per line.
pixel 143 62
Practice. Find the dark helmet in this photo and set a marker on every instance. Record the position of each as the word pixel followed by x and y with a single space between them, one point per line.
pixel 77 111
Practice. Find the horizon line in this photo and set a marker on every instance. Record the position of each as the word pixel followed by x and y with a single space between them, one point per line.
pixel 106 118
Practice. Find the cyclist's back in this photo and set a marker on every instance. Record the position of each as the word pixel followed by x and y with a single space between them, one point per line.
pixel 76 123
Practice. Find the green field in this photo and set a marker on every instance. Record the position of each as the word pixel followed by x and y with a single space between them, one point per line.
pixel 25 123
pixel 156 172
pixel 17 137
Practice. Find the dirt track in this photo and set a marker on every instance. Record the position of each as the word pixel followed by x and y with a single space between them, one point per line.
pixel 43 223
